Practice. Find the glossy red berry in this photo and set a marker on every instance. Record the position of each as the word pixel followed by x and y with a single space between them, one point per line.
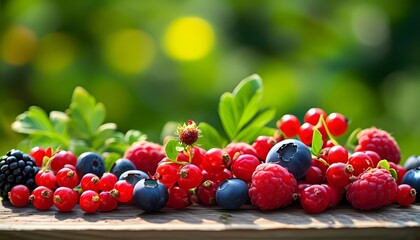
pixel 337 153
pixel 179 197
pixel 107 202
pixel 217 177
pixel 67 177
pixel 306 132
pixel 19 195
pixel 244 166
pixel 406 195
pixel 321 164
pixel 289 125
pixel 315 199
pixel 89 201
pixel 215 160
pixel 38 153
pixel 46 178
pixel 123 191
pixel 360 162
pixel 90 181
pixel 337 124
pixel 313 114
pixel 336 195
pixel 65 199
pixel 107 182
pixel 339 175
pixel 262 146
pixel 62 158
pixel 374 156
pixel 189 176
pixel 197 154
pixel 42 198
pixel 314 176
pixel 400 171
pixel 207 193
pixel 167 173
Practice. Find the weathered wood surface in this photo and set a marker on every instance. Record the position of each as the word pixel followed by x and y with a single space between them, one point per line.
pixel 195 222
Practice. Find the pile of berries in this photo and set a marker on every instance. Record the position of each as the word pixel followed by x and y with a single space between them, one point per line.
pixel 272 172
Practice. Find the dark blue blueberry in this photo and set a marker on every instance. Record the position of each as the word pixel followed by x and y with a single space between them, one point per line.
pixel 150 195
pixel 122 165
pixel 412 178
pixel 90 162
pixel 292 154
pixel 232 194
pixel 412 162
pixel 133 176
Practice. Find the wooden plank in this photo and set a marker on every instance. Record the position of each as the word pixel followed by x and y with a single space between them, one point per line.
pixel 195 222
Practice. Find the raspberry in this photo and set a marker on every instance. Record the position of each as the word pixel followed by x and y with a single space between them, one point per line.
pixel 372 190
pixel 145 155
pixel 379 141
pixel 272 186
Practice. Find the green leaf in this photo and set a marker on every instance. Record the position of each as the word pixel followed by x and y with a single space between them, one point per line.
pixel 60 121
pixel 317 142
pixel 393 173
pixel 250 132
pixel 250 110
pixel 211 137
pixel 352 139
pixel 33 120
pixel 170 149
pixel 132 136
pixel 383 163
pixel 228 113
pixel 246 89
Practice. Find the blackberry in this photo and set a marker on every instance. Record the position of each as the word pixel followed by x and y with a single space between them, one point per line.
pixel 16 168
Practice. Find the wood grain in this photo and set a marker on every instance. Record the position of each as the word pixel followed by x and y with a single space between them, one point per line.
pixel 129 222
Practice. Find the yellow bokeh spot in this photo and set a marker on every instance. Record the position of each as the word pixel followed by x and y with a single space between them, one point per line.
pixel 18 45
pixel 56 51
pixel 189 38
pixel 129 51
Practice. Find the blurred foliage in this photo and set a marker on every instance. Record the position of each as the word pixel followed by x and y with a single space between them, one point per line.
pixel 151 62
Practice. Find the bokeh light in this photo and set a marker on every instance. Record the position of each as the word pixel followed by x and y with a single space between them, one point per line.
pixel 189 38
pixel 18 45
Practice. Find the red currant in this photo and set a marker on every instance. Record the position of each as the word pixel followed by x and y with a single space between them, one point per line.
pixel 107 202
pixel 406 195
pixel 89 201
pixel 67 178
pixel 90 181
pixel 336 195
pixel 321 164
pixel 190 176
pixel 197 154
pixel 337 124
pixel 46 178
pixel 123 191
pixel 289 125
pixel 215 160
pixel 337 154
pixel 38 153
pixel 107 182
pixel 178 197
pixel 62 158
pixel 314 175
pixel 306 132
pixel 262 146
pixel 19 195
pixel 374 156
pixel 167 173
pixel 217 177
pixel 360 162
pixel 244 166
pixel 65 199
pixel 312 115
pixel 315 199
pixel 207 193
pixel 339 175
pixel 42 198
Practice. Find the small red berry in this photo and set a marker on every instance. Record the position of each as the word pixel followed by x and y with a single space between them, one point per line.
pixel 262 146
pixel 167 173
pixel 306 132
pixel 400 171
pixel 313 114
pixel 19 195
pixel 62 158
pixel 46 178
pixel 336 195
pixel 360 162
pixel 90 181
pixel 244 166
pixel 215 160
pixel 337 124
pixel 107 202
pixel 123 191
pixel 107 182
pixel 189 176
pixel 339 175
pixel 67 177
pixel 189 133
pixel 89 201
pixel 217 177
pixel 207 193
pixel 315 199
pixel 179 197
pixel 406 195
pixel 65 199
pixel 314 176
pixel 337 153
pixel 289 125
pixel 42 198
pixel 38 153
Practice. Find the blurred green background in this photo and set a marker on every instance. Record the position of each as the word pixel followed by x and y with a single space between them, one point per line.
pixel 151 62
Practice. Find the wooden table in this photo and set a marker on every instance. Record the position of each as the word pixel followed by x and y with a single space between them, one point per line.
pixel 196 222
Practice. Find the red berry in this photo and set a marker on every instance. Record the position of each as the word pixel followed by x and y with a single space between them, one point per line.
pixel 167 173
pixel 272 186
pixel 321 164
pixel 360 162
pixel 215 160
pixel 19 195
pixel 337 153
pixel 42 198
pixel 336 195
pixel 406 195
pixel 46 178
pixel 339 175
pixel 315 199
pixel 65 199
pixel 62 158
pixel 207 193
pixel 337 124
pixel 107 182
pixel 217 177
pixel 289 125
pixel 145 155
pixel 189 176
pixel 107 202
pixel 67 177
pixel 235 149
pixel 188 133
pixel 314 176
pixel 306 132
pixel 90 181
pixel 312 115
pixel 400 171
pixel 197 154
pixel 179 197
pixel 243 167
pixel 89 201
pixel 38 153
pixel 262 146
pixel 123 191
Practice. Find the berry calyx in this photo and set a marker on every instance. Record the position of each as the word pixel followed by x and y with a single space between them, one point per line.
pixel 189 133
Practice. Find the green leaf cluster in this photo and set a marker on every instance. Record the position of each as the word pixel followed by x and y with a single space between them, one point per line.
pixel 241 114
pixel 79 129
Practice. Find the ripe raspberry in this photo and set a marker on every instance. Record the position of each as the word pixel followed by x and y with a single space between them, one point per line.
pixel 372 189
pixel 145 155
pixel 272 186
pixel 379 141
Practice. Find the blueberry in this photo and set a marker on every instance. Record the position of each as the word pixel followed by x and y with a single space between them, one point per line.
pixel 412 162
pixel 90 162
pixel 412 178
pixel 292 154
pixel 122 165
pixel 150 195
pixel 232 194
pixel 133 176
